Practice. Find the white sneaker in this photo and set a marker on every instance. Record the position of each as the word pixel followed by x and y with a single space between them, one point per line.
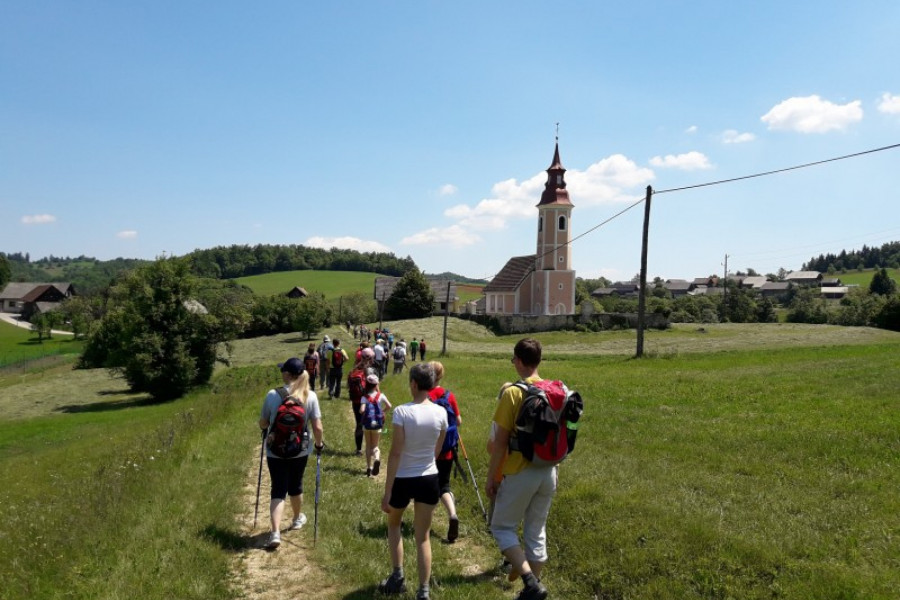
pixel 274 540
pixel 298 522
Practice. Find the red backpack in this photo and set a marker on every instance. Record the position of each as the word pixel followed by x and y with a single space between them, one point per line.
pixel 337 358
pixel 311 362
pixel 546 425
pixel 288 437
pixel 356 384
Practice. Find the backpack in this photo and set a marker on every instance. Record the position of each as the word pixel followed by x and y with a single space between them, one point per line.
pixel 398 353
pixel 356 384
pixel 310 362
pixel 546 425
pixel 337 358
pixel 452 437
pixel 374 416
pixel 288 437
pixel 323 351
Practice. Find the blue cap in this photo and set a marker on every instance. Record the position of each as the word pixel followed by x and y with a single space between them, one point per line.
pixel 294 366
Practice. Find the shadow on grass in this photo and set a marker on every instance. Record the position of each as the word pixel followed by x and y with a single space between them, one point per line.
pixel 106 406
pixel 230 540
pixel 371 591
pixel 296 340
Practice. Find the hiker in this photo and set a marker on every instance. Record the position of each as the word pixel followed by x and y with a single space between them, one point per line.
pixel 286 472
pixel 336 359
pixel 311 362
pixel 399 354
pixel 418 430
pixel 422 349
pixel 373 407
pixel 526 491
pixel 446 400
pixel 414 348
pixel 356 389
pixel 390 341
pixel 380 357
pixel 324 348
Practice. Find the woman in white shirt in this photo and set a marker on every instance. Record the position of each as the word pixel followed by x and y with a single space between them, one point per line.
pixel 418 433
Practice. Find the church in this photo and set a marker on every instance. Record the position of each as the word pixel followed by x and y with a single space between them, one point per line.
pixel 542 283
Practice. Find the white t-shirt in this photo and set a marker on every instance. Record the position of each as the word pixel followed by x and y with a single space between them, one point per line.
pixel 270 407
pixel 422 425
pixel 379 352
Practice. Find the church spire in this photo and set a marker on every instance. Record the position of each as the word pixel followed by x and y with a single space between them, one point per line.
pixel 555 189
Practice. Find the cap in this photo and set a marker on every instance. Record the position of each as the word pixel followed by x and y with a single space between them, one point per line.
pixel 368 353
pixel 373 378
pixel 294 366
pixel 326 339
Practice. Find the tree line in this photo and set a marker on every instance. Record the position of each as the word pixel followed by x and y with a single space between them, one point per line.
pixel 888 255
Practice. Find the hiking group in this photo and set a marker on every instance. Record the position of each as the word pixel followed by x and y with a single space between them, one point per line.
pixel 532 430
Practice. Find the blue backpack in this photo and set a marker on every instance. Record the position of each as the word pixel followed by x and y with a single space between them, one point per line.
pixel 373 418
pixel 452 437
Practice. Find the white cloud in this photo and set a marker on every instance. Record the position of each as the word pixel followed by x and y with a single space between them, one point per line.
pixel 812 114
pixel 38 219
pixel 455 235
pixel 603 182
pixel 731 136
pixel 448 189
pixel 128 234
pixel 689 161
pixel 350 243
pixel 889 104
pixel 692 129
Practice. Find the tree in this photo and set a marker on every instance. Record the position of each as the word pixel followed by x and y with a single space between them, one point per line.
pixel 889 315
pixel 807 306
pixel 357 307
pixel 882 284
pixel 154 334
pixel 5 271
pixel 412 297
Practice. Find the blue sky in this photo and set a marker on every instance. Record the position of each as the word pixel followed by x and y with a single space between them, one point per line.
pixel 424 128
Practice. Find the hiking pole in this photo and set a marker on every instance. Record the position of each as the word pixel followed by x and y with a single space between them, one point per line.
pixel 262 448
pixel 318 485
pixel 457 467
pixel 472 473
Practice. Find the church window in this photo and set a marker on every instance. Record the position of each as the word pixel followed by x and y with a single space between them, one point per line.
pixel 562 223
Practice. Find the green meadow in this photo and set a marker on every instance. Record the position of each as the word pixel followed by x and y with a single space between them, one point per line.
pixel 735 461
pixel 863 278
pixel 18 344
pixel 330 283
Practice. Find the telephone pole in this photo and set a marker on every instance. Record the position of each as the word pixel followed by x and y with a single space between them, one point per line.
pixel 725 291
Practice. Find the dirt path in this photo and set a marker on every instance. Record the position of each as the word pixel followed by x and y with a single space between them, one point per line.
pixel 288 572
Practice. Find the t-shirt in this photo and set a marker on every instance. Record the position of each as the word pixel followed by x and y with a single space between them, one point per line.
pixel 331 354
pixel 270 407
pixel 379 352
pixel 399 353
pixel 505 417
pixel 422 425
pixel 436 393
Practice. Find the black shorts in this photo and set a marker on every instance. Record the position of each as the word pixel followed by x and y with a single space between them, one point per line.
pixel 287 476
pixel 422 489
pixel 445 468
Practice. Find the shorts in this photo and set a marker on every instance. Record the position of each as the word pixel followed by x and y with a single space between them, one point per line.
pixel 286 475
pixel 445 469
pixel 422 489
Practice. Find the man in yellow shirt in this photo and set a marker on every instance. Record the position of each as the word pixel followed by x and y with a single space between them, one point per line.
pixel 526 491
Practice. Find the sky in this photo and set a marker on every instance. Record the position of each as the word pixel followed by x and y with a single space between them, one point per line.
pixel 425 128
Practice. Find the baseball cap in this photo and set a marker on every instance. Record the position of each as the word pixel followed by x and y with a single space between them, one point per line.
pixel 368 352
pixel 372 378
pixel 294 366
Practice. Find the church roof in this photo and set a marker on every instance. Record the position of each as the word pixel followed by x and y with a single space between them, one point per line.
pixel 555 189
pixel 512 274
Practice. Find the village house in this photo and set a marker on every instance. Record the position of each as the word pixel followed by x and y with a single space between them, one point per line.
pixel 29 299
pixel 384 287
pixel 297 292
pixel 542 283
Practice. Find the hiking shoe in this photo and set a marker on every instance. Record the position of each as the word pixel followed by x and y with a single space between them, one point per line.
pixel 376 468
pixel 274 540
pixel 359 453
pixel 395 584
pixel 533 592
pixel 368 472
pixel 298 522
pixel 453 530
pixel 423 594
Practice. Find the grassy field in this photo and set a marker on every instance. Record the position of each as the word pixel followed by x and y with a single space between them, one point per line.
pixel 18 344
pixel 863 278
pixel 330 283
pixel 737 461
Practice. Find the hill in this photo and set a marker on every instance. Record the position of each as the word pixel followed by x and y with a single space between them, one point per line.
pixel 332 284
pixel 863 278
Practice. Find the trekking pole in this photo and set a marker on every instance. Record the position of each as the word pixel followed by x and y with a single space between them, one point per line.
pixel 472 473
pixel 318 484
pixel 262 449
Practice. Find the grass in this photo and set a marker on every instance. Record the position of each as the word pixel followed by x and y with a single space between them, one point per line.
pixel 740 461
pixel 330 283
pixel 18 344
pixel 863 278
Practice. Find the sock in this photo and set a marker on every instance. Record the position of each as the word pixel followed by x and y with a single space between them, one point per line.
pixel 425 588
pixel 398 571
pixel 529 580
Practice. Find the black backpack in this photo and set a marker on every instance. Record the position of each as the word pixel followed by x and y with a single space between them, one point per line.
pixel 547 423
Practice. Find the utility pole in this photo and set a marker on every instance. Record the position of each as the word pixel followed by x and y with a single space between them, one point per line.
pixel 446 316
pixel 725 291
pixel 642 296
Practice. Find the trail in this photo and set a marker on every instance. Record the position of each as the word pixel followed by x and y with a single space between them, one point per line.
pixel 289 571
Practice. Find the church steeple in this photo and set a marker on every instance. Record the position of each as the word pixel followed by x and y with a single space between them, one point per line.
pixel 555 189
